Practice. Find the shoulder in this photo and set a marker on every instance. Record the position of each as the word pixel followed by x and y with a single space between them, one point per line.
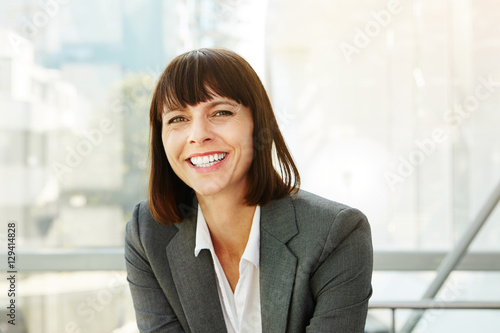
pixel 306 202
pixel 321 212
pixel 143 231
pixel 327 223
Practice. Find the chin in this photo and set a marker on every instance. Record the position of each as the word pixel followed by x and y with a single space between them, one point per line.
pixel 207 190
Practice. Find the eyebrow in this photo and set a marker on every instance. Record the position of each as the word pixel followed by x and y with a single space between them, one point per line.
pixel 210 105
pixel 215 103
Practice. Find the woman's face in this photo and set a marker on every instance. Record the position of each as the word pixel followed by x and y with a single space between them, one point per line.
pixel 210 146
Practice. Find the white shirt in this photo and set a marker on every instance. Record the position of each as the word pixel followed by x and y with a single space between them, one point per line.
pixel 242 309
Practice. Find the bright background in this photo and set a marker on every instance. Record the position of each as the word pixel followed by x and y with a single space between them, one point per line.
pixel 388 106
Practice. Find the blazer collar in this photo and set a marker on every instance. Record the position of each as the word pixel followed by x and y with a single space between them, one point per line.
pixel 277 263
pixel 278 219
pixel 194 277
pixel 195 281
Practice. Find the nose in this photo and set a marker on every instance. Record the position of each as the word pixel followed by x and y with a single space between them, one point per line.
pixel 200 132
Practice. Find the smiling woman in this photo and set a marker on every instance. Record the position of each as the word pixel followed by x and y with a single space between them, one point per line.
pixel 227 241
pixel 207 89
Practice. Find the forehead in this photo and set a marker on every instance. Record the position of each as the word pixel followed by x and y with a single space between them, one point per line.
pixel 215 101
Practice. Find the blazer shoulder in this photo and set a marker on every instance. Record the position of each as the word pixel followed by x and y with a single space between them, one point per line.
pixel 327 228
pixel 308 201
pixel 317 207
pixel 144 231
pixel 318 216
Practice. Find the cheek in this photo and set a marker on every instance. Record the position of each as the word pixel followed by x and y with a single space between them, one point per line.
pixel 241 136
pixel 244 132
pixel 171 145
pixel 164 139
pixel 247 143
pixel 249 137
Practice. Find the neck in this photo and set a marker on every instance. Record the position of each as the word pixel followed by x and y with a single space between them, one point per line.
pixel 229 220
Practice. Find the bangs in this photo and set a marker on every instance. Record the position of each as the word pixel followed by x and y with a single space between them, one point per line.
pixel 199 76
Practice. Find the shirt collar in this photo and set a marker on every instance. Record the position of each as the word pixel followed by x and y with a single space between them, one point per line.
pixel 252 250
pixel 204 241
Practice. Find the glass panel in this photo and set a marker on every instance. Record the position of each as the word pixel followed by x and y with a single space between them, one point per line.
pixel 459 287
pixel 5 78
pixel 70 302
pixel 388 106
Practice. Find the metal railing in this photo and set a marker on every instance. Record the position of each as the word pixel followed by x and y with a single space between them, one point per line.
pixel 453 258
pixel 430 304
pixel 112 259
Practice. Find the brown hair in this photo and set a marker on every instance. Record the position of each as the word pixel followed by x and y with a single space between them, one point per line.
pixel 192 78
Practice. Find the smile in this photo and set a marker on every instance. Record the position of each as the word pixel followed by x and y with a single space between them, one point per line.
pixel 207 160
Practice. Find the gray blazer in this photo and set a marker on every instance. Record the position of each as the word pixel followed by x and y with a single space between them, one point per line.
pixel 315 270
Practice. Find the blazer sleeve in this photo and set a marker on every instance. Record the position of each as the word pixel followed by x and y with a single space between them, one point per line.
pixel 341 284
pixel 152 309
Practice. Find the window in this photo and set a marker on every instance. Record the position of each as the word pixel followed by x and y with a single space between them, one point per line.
pixel 5 76
pixel 387 106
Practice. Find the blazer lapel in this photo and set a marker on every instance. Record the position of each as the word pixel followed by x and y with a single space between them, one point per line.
pixel 194 279
pixel 277 264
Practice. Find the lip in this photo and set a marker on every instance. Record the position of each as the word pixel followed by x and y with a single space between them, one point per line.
pixel 210 168
pixel 205 154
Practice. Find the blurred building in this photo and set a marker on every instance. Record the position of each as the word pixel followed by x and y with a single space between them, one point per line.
pixel 81 51
pixel 104 124
pixel 33 102
pixel 75 85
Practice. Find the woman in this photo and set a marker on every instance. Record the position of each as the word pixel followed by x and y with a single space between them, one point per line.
pixel 227 241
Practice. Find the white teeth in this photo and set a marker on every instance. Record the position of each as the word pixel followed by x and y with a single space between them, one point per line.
pixel 207 160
